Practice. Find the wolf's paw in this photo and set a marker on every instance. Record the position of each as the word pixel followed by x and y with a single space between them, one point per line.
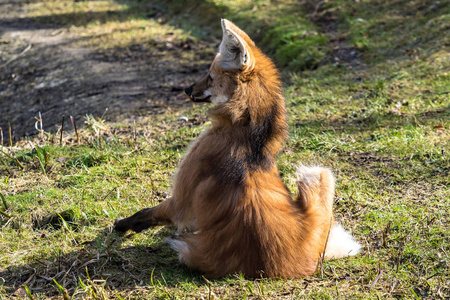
pixel 120 225
pixel 130 223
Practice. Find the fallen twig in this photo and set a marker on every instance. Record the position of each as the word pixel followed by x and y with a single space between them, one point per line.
pixel 10 135
pixel 322 255
pixel 376 279
pixel 75 128
pixel 41 125
pixel 316 9
pixel 62 129
pixel 16 56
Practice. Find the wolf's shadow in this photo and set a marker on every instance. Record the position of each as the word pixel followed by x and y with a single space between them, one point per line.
pixel 110 261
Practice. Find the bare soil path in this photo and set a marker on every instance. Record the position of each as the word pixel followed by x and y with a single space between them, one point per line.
pixel 42 70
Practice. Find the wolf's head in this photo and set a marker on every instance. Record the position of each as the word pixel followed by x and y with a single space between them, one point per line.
pixel 244 85
pixel 235 58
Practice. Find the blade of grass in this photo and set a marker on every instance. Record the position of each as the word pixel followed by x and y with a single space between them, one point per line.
pixel 5 214
pixel 27 290
pixel 9 171
pixel 41 159
pixel 5 205
pixel 13 158
pixel 151 277
pixel 64 223
pixel 75 292
pixel 62 290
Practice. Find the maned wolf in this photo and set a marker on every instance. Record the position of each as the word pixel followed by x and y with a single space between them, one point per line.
pixel 231 208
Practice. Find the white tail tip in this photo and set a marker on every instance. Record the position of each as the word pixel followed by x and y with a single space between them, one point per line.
pixel 341 244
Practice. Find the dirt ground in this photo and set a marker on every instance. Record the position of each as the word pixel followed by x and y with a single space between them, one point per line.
pixel 42 71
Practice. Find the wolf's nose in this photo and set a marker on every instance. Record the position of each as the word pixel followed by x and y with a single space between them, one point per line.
pixel 188 90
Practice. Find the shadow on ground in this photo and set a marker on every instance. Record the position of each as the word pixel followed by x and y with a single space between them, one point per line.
pixel 103 263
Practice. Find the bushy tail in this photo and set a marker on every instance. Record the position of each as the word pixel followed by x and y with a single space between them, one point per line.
pixel 316 195
pixel 341 243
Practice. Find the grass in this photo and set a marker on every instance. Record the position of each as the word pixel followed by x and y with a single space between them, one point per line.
pixel 380 120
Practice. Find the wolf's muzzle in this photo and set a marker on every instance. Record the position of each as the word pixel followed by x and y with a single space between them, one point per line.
pixel 189 90
pixel 196 98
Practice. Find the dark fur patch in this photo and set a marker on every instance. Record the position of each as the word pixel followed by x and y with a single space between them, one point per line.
pixel 260 135
pixel 229 170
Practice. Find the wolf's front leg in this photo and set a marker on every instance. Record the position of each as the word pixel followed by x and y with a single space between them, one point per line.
pixel 148 217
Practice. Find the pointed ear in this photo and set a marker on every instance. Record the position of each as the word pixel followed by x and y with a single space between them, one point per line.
pixel 234 51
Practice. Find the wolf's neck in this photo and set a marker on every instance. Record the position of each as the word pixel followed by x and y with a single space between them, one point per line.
pixel 264 130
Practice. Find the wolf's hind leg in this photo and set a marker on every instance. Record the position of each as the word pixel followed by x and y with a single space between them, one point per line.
pixel 148 217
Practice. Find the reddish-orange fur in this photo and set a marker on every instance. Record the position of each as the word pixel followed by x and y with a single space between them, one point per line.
pixel 232 209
